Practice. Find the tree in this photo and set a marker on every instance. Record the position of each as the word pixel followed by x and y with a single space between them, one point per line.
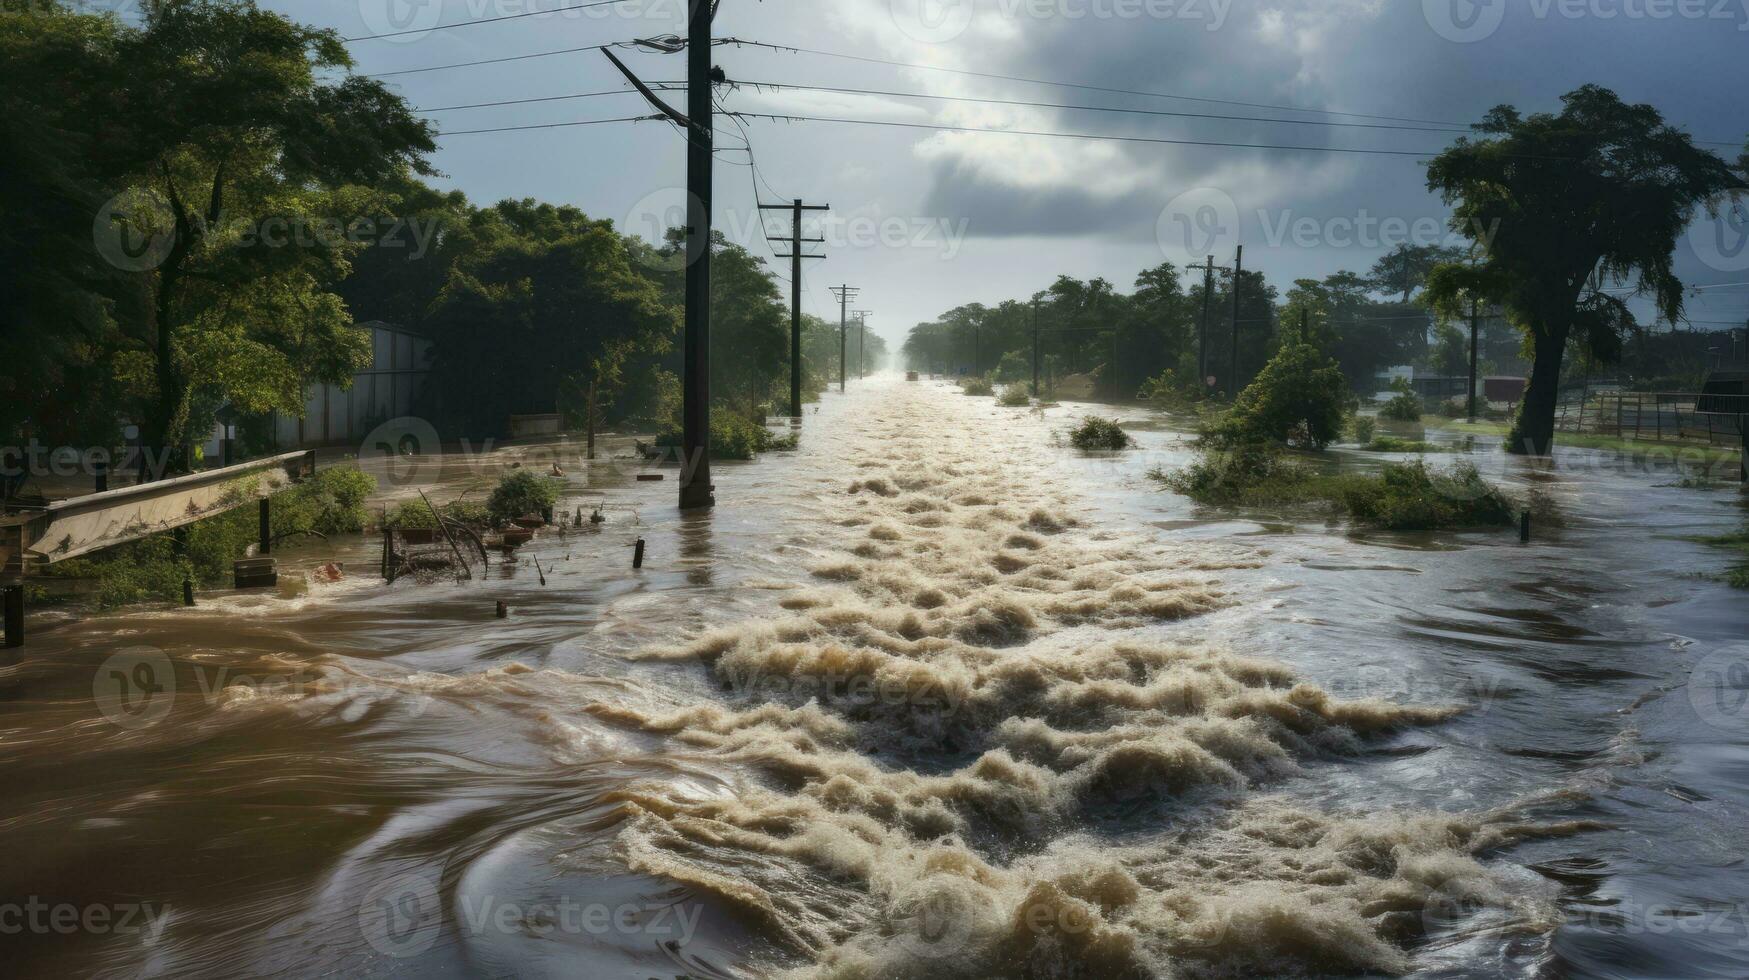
pixel 530 322
pixel 1600 190
pixel 1405 268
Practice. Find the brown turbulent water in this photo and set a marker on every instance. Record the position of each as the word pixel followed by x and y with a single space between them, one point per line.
pixel 934 696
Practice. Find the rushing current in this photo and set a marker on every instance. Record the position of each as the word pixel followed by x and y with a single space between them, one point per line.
pixel 932 696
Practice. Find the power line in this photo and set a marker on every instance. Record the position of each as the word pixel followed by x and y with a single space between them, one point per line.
pixel 549 98
pixel 478 21
pixel 558 125
pixel 1095 108
pixel 496 61
pixel 1118 91
pixel 944 127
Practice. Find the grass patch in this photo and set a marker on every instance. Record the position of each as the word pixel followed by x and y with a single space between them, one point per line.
pixel 1099 433
pixel 1738 541
pixel 1392 444
pixel 1400 497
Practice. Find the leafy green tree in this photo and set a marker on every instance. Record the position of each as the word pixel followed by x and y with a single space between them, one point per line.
pixel 1300 397
pixel 531 322
pixel 1405 268
pixel 1601 189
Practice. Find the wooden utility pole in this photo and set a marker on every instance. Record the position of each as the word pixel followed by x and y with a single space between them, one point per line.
pixel 795 257
pixel 1474 331
pixel 1238 276
pixel 862 343
pixel 1202 346
pixel 1036 393
pixel 845 294
pixel 695 407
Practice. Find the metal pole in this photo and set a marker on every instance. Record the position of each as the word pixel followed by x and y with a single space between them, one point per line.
pixel 100 475
pixel 266 540
pixel 695 412
pixel 1238 275
pixel 843 365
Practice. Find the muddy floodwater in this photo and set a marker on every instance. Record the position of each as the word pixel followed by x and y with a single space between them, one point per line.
pixel 933 696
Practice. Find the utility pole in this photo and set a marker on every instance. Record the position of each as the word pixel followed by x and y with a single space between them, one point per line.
pixel 795 257
pixel 1475 323
pixel 845 294
pixel 861 343
pixel 696 491
pixel 1202 346
pixel 1238 276
pixel 1036 393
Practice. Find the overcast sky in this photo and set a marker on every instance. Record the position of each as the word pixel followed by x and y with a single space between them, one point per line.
pixel 923 220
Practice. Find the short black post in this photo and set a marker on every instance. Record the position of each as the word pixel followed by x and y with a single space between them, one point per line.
pixel 1524 527
pixel 188 592
pixel 266 526
pixel 638 554
pixel 503 609
pixel 227 450
pixel 14 601
pixel 99 475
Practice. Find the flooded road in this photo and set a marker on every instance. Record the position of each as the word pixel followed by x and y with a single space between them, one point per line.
pixel 933 696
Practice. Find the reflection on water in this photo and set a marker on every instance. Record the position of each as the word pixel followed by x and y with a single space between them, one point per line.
pixel 931 696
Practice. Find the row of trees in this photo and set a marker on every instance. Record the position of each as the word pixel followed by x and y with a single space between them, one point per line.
pixel 254 202
pixel 1576 202
pixel 1128 339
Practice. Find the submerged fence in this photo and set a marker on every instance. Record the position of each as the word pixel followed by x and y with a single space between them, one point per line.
pixel 1683 416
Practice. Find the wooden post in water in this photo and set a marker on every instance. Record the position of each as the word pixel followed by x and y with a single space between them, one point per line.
pixel 14 603
pixel 266 528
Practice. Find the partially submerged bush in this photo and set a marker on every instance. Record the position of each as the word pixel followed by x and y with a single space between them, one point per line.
pixel 519 493
pixel 1014 396
pixel 1404 406
pixel 1363 429
pixel 1099 433
pixel 733 436
pixel 1170 389
pixel 1392 444
pixel 976 385
pixel 1400 497
pixel 1300 397
pixel 413 514
pixel 1410 497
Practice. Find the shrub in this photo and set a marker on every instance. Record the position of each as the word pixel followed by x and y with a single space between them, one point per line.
pixel 1363 428
pixel 1014 396
pixel 1256 474
pixel 1299 397
pixel 1409 496
pixel 733 436
pixel 975 385
pixel 1099 433
pixel 519 493
pixel 414 514
pixel 1405 406
pixel 1170 390
pixel 1014 366
pixel 1392 444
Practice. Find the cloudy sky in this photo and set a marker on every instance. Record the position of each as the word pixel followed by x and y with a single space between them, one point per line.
pixel 924 219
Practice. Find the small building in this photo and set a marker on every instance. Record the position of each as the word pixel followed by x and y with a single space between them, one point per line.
pixel 387 389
